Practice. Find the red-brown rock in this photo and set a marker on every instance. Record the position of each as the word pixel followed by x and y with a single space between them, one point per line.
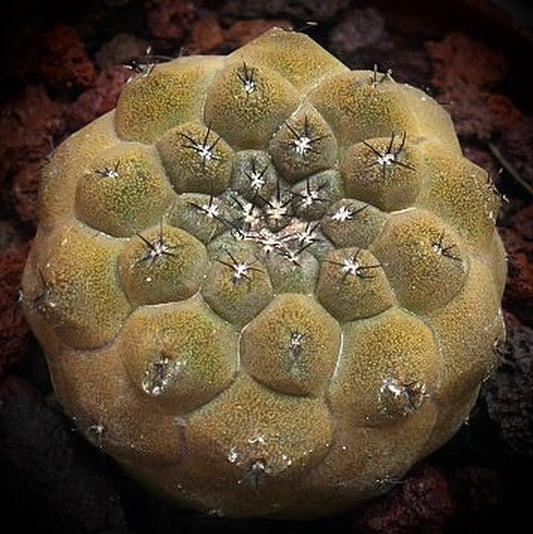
pixel 464 71
pixel 28 126
pixel 423 503
pixel 14 331
pixel 98 99
pixel 518 296
pixel 65 62
pixel 25 191
pixel 206 36
pixel 120 49
pixel 171 19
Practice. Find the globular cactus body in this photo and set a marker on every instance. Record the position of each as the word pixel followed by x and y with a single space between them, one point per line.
pixel 266 284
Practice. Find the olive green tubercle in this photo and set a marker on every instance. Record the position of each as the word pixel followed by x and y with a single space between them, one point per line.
pixel 265 284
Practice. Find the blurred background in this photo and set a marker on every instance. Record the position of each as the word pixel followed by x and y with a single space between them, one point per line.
pixel 62 65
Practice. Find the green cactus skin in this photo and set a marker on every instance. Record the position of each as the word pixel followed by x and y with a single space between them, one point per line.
pixel 265 284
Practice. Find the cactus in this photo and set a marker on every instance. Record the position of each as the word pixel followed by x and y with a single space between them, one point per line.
pixel 266 284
